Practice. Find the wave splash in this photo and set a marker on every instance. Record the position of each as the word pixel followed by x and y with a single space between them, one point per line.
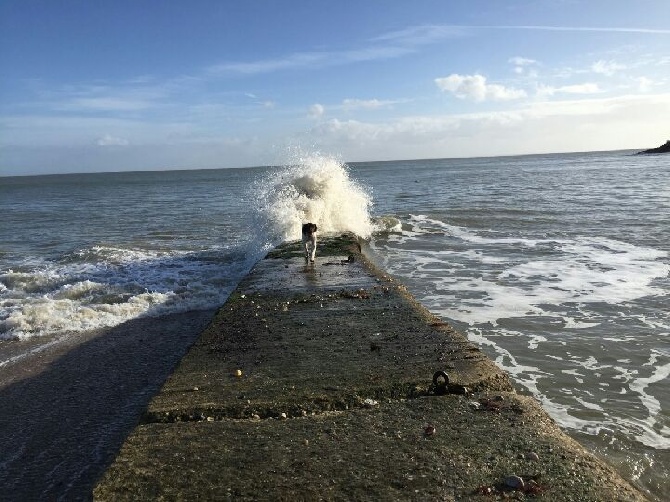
pixel 315 189
pixel 100 284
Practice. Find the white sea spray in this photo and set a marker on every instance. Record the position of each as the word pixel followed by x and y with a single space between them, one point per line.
pixel 317 189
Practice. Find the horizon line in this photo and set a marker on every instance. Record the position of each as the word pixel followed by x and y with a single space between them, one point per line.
pixel 183 169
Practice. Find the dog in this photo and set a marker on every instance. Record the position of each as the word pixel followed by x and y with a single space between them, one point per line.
pixel 309 240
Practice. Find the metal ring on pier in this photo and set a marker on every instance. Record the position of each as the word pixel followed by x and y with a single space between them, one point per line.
pixel 440 375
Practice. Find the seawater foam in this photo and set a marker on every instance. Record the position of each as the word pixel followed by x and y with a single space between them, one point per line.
pixel 104 286
pixel 587 270
pixel 315 189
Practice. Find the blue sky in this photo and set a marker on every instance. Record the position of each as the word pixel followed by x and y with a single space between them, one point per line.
pixel 140 85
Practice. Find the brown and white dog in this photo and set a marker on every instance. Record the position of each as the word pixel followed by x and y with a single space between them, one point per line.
pixel 309 240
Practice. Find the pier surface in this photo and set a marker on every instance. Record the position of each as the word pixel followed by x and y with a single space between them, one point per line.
pixel 323 382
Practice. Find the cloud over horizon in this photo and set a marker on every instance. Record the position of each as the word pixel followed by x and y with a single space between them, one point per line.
pixel 475 87
pixel 399 85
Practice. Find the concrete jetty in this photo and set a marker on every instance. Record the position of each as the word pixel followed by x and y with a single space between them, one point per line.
pixel 330 382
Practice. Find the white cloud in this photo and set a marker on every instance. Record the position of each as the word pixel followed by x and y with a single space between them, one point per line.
pixel 367 104
pixel 119 98
pixel 521 65
pixel 425 34
pixel 301 60
pixel 265 103
pixel 646 31
pixel 107 104
pixel 644 84
pixel 316 111
pixel 109 140
pixel 608 68
pixel 297 60
pixel 520 61
pixel 586 88
pixel 538 127
pixel 475 87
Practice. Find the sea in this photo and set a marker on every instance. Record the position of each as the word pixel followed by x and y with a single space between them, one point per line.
pixel 557 266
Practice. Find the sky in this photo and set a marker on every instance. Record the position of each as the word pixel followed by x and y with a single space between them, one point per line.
pixel 146 85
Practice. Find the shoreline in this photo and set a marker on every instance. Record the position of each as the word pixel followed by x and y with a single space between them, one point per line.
pixel 69 402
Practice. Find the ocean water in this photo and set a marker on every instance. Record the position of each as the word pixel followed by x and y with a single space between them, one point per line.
pixel 558 266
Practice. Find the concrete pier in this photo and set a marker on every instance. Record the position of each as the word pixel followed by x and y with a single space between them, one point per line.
pixel 330 382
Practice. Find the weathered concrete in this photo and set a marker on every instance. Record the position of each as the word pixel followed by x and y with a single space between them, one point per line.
pixel 318 383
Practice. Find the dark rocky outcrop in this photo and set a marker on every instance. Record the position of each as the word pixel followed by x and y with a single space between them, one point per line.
pixel 661 149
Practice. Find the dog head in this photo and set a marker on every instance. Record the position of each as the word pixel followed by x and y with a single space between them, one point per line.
pixel 308 228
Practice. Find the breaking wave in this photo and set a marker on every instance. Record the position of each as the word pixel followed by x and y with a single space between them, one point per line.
pixel 315 189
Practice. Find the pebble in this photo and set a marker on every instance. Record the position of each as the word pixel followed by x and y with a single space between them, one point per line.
pixel 283 416
pixel 429 430
pixel 370 403
pixel 474 405
pixel 514 482
pixel 533 486
pixel 238 373
pixel 531 455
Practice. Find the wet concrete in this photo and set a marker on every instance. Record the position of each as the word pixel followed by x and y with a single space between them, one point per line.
pixel 321 382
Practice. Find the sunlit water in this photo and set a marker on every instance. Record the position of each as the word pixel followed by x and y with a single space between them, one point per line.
pixel 557 265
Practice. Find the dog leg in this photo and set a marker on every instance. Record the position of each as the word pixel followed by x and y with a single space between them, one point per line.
pixel 305 245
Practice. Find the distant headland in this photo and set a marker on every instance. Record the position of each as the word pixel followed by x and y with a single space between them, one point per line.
pixel 661 149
